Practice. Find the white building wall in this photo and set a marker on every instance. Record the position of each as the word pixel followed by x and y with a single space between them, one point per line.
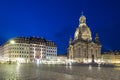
pixel 51 52
pixel 24 52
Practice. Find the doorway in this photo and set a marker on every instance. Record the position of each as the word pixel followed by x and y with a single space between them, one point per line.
pixel 92 58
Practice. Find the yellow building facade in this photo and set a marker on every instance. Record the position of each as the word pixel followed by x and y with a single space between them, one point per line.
pixel 111 57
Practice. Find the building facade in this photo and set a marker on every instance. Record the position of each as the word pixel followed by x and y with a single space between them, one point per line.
pixel 83 48
pixel 111 57
pixel 27 49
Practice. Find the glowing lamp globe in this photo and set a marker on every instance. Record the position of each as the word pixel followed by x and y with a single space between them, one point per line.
pixel 12 42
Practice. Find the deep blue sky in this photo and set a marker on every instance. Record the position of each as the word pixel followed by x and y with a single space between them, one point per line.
pixel 58 19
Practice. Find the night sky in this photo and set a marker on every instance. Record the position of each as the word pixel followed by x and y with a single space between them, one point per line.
pixel 57 20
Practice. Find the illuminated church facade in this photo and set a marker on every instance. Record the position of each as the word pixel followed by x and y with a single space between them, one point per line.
pixel 83 48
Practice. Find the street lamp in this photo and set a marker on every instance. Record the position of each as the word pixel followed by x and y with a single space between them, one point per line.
pixel 12 42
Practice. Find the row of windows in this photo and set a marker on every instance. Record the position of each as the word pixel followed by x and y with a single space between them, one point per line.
pixel 17 48
pixel 51 51
pixel 21 48
pixel 18 52
pixel 85 51
pixel 51 48
pixel 22 56
pixel 26 56
pixel 38 49
pixel 24 52
pixel 19 45
pixel 51 55
pixel 27 45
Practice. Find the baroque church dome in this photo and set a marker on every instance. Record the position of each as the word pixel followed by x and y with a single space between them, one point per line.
pixel 83 31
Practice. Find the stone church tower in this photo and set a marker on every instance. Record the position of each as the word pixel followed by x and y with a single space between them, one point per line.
pixel 82 48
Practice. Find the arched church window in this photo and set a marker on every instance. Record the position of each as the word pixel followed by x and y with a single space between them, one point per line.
pixel 96 53
pixel 85 52
pixel 71 57
pixel 78 52
pixel 91 51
